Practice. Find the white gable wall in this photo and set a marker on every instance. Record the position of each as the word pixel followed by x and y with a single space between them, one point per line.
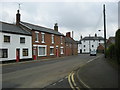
pixel 14 44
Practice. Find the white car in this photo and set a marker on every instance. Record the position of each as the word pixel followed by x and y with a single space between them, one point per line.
pixel 93 53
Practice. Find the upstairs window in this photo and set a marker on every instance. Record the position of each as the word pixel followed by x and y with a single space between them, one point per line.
pixel 52 38
pixel 6 38
pixel 3 53
pixel 61 39
pixel 92 45
pixel 22 39
pixel 43 37
pixel 36 36
pixel 84 45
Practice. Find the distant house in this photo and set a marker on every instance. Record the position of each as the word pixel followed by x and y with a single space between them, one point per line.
pixel 71 46
pixel 89 43
pixel 15 43
pixel 46 42
pixel 100 48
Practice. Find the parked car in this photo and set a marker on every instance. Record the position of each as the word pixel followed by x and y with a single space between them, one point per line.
pixel 93 53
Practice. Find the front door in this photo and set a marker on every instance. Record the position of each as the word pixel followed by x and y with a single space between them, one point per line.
pixel 34 53
pixel 17 55
pixel 56 51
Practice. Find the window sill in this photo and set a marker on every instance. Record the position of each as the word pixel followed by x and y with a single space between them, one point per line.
pixel 42 42
pixel 36 41
pixel 41 55
pixel 51 54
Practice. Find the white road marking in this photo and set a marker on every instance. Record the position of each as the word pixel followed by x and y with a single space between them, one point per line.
pixel 60 80
pixel 54 84
pixel 84 84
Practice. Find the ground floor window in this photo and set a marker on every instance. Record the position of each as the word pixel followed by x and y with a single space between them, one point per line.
pixel 61 50
pixel 51 50
pixel 25 52
pixel 3 53
pixel 42 50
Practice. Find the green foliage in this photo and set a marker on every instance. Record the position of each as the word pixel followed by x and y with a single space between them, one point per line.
pixel 110 52
pixel 117 45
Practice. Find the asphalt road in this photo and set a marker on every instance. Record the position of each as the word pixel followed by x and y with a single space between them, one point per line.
pixel 39 74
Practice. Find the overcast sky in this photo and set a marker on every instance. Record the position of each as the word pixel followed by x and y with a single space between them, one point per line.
pixel 83 18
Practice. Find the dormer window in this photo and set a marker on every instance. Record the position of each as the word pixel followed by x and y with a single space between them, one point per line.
pixel 52 37
pixel 43 37
pixel 36 36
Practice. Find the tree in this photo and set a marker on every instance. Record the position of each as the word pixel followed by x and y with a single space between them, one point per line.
pixel 117 45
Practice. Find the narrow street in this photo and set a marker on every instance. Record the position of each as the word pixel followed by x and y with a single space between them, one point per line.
pixel 41 74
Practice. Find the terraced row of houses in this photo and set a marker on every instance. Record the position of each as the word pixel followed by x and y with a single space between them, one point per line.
pixel 22 41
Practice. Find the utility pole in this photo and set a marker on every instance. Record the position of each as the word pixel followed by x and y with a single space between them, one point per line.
pixel 104 29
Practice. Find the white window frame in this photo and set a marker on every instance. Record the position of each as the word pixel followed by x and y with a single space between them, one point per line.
pixel 42 37
pixel 52 37
pixel 53 51
pixel 45 50
pixel 60 50
pixel 36 32
pixel 61 39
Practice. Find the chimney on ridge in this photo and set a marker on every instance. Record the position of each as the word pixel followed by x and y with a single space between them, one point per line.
pixel 17 18
pixel 68 34
pixel 56 27
pixel 95 35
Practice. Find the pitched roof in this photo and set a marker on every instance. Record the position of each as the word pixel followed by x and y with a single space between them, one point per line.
pixel 93 38
pixel 69 40
pixel 12 28
pixel 40 28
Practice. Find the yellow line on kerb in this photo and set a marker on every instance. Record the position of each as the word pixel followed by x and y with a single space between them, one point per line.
pixel 70 81
pixel 71 76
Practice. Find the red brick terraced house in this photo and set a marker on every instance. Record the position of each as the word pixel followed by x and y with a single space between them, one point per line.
pixel 71 46
pixel 46 42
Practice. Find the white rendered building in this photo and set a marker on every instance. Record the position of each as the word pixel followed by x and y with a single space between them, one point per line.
pixel 15 43
pixel 89 43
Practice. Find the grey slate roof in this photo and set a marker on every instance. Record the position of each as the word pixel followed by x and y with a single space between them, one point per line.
pixel 12 28
pixel 93 38
pixel 41 29
pixel 69 40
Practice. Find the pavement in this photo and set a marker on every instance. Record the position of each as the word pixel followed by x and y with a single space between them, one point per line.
pixel 97 73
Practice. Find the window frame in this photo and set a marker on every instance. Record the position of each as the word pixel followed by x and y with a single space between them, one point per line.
pixel 61 49
pixel 36 36
pixel 42 37
pixel 52 47
pixel 27 52
pixel 1 51
pixel 45 46
pixel 61 39
pixel 6 41
pixel 24 40
pixel 52 38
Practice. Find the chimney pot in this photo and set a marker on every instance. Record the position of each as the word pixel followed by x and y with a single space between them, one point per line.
pixel 56 27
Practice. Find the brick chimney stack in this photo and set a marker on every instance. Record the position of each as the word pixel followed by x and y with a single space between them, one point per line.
pixel 68 34
pixel 56 27
pixel 17 18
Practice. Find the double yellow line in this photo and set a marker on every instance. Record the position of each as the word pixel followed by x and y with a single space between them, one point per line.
pixel 72 81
